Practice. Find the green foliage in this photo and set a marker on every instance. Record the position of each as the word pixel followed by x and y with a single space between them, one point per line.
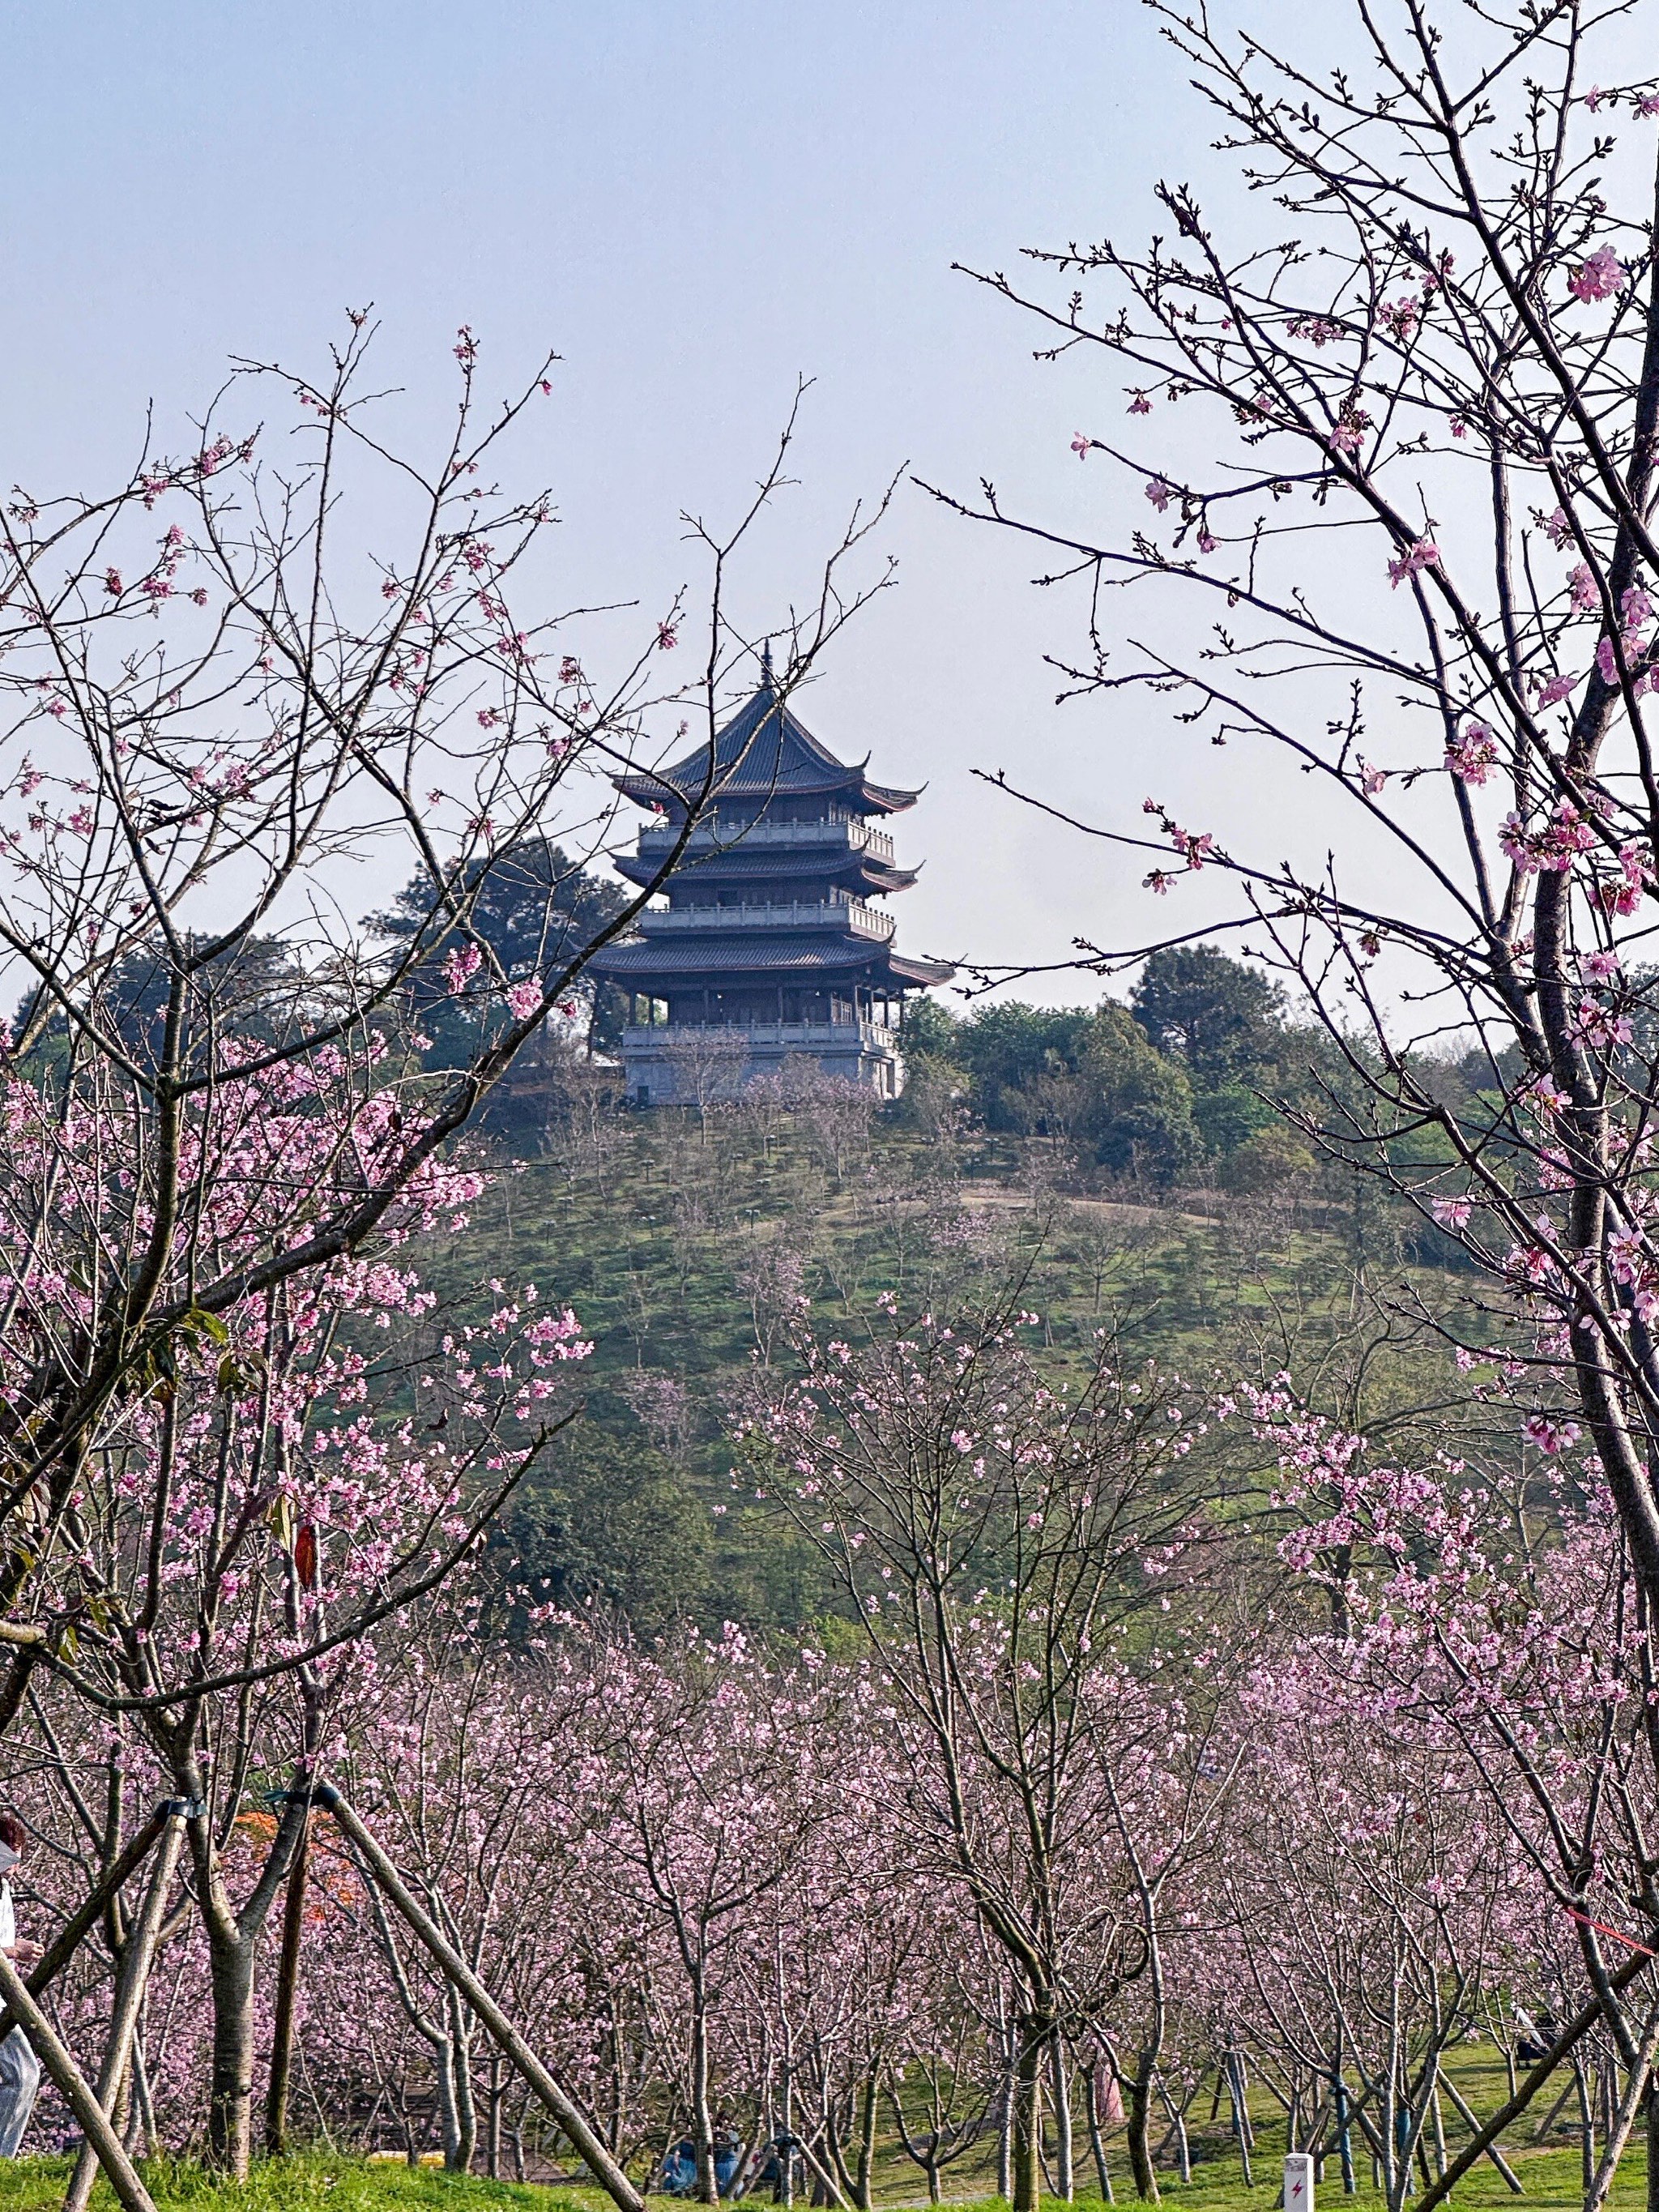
pixel 531 904
pixel 257 990
pixel 609 1520
pixel 1008 1047
pixel 684 1258
pixel 1272 1158
pixel 928 1026
pixel 1224 1021
pixel 1228 1116
pixel 1137 1105
pixel 1153 1092
pixel 536 907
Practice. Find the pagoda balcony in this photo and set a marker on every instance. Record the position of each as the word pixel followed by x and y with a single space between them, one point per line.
pixel 850 836
pixel 850 917
pixel 783 1037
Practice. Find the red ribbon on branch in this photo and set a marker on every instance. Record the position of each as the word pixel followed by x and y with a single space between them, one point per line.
pixel 1601 1928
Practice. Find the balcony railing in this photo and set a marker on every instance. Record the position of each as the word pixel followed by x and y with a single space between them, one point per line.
pixel 853 836
pixel 839 914
pixel 788 1036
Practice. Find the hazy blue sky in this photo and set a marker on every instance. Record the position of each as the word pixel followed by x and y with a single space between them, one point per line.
pixel 695 203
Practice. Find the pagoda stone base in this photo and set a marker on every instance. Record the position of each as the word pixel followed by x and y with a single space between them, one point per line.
pixel 687 1064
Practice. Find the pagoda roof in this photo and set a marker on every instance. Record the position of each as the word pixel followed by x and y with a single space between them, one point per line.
pixel 735 867
pixel 743 958
pixel 763 752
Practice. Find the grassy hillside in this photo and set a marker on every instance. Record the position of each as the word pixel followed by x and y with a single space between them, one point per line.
pixel 685 1245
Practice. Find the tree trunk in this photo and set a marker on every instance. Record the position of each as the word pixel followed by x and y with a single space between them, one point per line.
pixel 288 1985
pixel 1344 2133
pixel 1060 2091
pixel 1586 2123
pixel 1177 2120
pixel 1096 2141
pixel 863 2180
pixel 1140 2131
pixel 233 1942
pixel 786 2156
pixel 449 2124
pixel 1005 2135
pixel 703 2123
pixel 466 2110
pixel 230 2094
pixel 146 2136
pixel 1028 2120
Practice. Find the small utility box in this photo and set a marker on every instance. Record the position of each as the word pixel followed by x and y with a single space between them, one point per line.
pixel 1299 2181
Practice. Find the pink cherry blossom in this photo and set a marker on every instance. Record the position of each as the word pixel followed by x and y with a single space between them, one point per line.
pixel 1600 276
pixel 1422 553
pixel 461 963
pixel 1550 1436
pixel 1474 757
pixel 1553 846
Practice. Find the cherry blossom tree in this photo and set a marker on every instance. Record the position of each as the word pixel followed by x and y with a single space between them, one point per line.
pixel 218 1130
pixel 263 1506
pixel 215 692
pixel 996 1535
pixel 1378 1903
pixel 1397 551
pixel 715 1794
pixel 1490 1640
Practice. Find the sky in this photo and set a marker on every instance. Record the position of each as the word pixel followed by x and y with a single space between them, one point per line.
pixel 697 203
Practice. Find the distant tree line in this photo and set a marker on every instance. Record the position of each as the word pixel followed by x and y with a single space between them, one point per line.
pixel 1184 1081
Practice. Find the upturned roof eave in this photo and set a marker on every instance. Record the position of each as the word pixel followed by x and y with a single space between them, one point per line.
pixel 757 867
pixel 746 763
pixel 660 788
pixel 678 963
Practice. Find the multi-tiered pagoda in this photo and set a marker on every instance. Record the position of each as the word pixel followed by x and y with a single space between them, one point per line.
pixel 769 936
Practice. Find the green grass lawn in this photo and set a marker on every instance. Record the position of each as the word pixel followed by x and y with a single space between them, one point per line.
pixel 311 2180
pixel 1551 2180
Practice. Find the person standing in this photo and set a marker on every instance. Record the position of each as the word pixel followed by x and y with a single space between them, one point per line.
pixel 20 2069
